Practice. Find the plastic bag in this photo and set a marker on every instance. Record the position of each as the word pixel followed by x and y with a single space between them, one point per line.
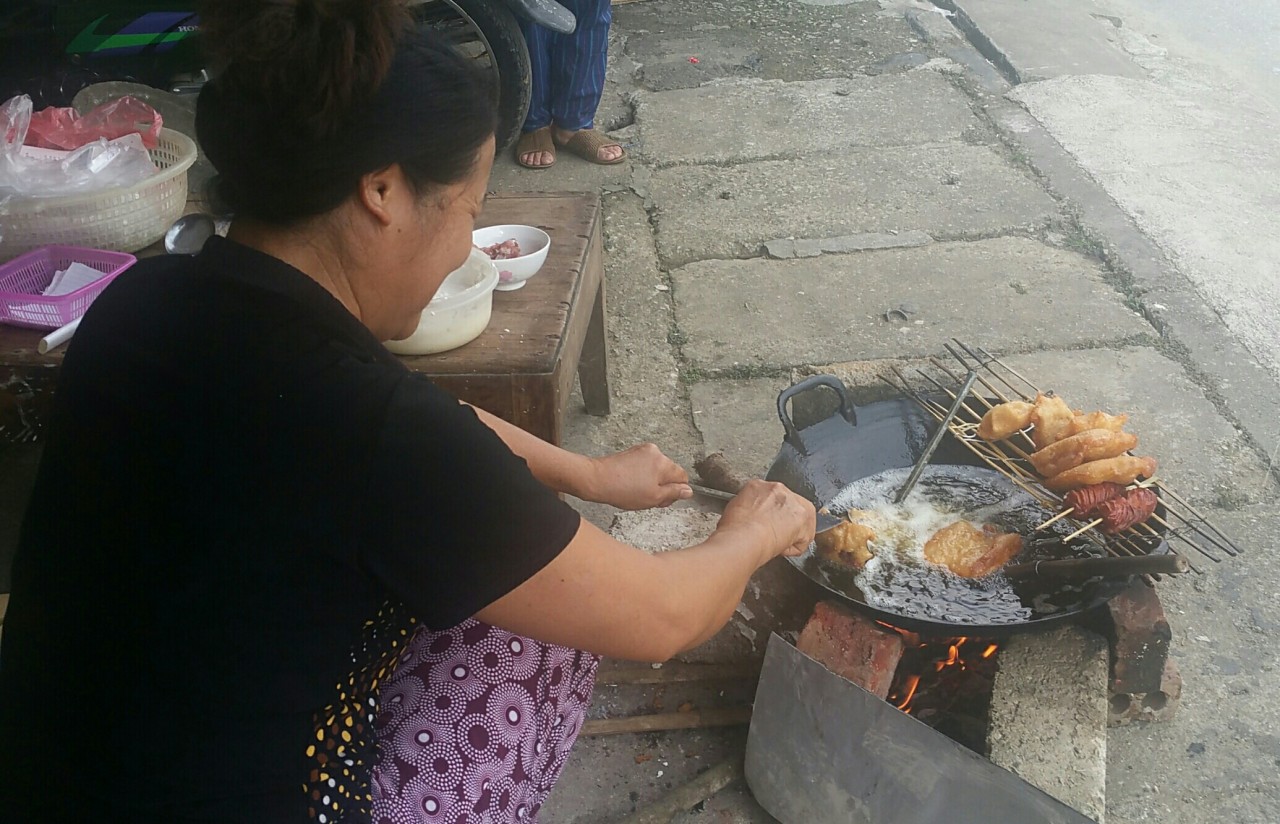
pixel 15 121
pixel 66 129
pixel 32 172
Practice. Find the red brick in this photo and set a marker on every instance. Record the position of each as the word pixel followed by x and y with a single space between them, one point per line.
pixel 1157 705
pixel 1140 643
pixel 852 646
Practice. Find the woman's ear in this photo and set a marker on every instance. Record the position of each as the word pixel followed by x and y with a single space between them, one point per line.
pixel 380 191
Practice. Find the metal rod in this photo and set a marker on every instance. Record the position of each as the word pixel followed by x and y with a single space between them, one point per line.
pixel 1227 545
pixel 936 439
pixel 708 492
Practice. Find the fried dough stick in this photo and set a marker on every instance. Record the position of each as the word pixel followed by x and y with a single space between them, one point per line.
pixel 1091 445
pixel 1051 417
pixel 1095 420
pixel 1002 420
pixel 1119 470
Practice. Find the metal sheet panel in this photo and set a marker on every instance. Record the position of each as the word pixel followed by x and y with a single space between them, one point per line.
pixel 822 749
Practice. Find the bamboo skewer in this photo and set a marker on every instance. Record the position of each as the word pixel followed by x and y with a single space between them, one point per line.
pixel 1064 513
pixel 1082 530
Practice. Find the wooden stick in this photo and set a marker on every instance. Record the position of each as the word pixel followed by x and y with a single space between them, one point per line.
pixel 1064 513
pixel 717 473
pixel 697 719
pixel 1082 530
pixel 676 673
pixel 687 796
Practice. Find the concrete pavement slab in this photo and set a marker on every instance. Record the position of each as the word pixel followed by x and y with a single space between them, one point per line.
pixel 787 249
pixel 735 121
pixel 949 190
pixel 1197 172
pixel 1009 293
pixel 1049 715
pixel 608 777
pixel 753 38
pixel 1048 38
pixel 648 402
pixel 1218 758
pixel 739 418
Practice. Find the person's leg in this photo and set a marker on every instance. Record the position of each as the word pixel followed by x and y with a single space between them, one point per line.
pixel 533 151
pixel 477 719
pixel 578 63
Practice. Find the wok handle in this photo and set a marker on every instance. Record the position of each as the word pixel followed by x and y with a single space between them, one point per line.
pixel 847 410
pixel 1170 564
pixel 715 471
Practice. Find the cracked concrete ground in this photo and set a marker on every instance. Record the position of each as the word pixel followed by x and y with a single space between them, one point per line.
pixel 820 132
pixel 783 193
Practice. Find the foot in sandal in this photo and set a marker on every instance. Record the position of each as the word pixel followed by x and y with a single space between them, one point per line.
pixel 592 145
pixel 535 149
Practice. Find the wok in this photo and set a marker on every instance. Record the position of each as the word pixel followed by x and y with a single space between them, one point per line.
pixel 828 444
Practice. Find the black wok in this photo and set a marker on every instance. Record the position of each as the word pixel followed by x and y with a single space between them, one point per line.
pixel 828 444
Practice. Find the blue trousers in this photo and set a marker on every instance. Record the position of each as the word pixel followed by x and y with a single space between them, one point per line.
pixel 568 69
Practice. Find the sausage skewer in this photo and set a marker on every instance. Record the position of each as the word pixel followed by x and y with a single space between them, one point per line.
pixel 1085 501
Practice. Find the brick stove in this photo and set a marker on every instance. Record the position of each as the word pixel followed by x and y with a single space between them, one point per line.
pixel 1112 667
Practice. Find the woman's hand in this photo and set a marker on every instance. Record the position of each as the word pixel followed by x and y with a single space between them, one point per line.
pixel 639 478
pixel 784 520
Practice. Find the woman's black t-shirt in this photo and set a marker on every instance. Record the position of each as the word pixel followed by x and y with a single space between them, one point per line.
pixel 243 504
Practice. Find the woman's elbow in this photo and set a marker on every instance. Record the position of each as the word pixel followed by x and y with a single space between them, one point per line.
pixel 678 627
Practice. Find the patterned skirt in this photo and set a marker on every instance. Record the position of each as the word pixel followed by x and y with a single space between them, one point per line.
pixel 475 726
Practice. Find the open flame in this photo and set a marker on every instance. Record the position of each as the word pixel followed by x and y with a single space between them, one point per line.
pixel 939 666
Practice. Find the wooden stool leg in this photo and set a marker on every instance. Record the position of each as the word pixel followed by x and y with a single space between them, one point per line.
pixel 593 367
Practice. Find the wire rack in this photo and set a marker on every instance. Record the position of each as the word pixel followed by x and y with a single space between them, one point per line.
pixel 1175 520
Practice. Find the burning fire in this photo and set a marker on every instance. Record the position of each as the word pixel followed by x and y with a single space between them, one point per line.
pixel 940 665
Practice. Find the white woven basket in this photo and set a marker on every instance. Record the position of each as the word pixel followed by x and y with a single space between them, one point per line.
pixel 119 220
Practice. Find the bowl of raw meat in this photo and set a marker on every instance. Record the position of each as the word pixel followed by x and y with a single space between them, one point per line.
pixel 517 251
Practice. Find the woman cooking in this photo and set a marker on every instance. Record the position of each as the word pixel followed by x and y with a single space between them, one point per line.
pixel 264 566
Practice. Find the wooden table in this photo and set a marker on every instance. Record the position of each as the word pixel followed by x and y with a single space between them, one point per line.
pixel 521 368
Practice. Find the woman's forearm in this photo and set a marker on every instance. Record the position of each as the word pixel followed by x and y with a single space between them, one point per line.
pixel 559 469
pixel 610 599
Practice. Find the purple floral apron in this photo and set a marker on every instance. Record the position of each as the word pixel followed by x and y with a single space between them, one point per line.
pixel 475 725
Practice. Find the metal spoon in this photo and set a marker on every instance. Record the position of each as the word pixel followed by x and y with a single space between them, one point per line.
pixel 188 234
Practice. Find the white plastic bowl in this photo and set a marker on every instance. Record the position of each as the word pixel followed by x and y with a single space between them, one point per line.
pixel 534 243
pixel 458 313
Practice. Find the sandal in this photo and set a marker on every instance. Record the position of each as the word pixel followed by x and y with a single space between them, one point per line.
pixel 538 140
pixel 587 144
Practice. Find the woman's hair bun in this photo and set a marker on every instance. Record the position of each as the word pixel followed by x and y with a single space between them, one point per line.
pixel 306 60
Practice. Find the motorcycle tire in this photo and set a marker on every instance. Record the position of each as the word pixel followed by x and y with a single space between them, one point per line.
pixel 487 31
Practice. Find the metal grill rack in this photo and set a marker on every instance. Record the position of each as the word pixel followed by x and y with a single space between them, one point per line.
pixel 1175 521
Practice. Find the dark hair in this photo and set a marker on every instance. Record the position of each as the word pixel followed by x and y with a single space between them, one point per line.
pixel 311 95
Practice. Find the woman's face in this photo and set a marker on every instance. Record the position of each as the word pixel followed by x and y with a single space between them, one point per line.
pixel 433 238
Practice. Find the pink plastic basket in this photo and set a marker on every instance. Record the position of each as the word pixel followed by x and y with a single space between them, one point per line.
pixel 24 278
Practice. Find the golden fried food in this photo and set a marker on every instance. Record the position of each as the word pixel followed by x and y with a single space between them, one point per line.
pixel 1123 469
pixel 847 543
pixel 1072 451
pixel 1094 420
pixel 971 552
pixel 1004 419
pixel 1051 417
